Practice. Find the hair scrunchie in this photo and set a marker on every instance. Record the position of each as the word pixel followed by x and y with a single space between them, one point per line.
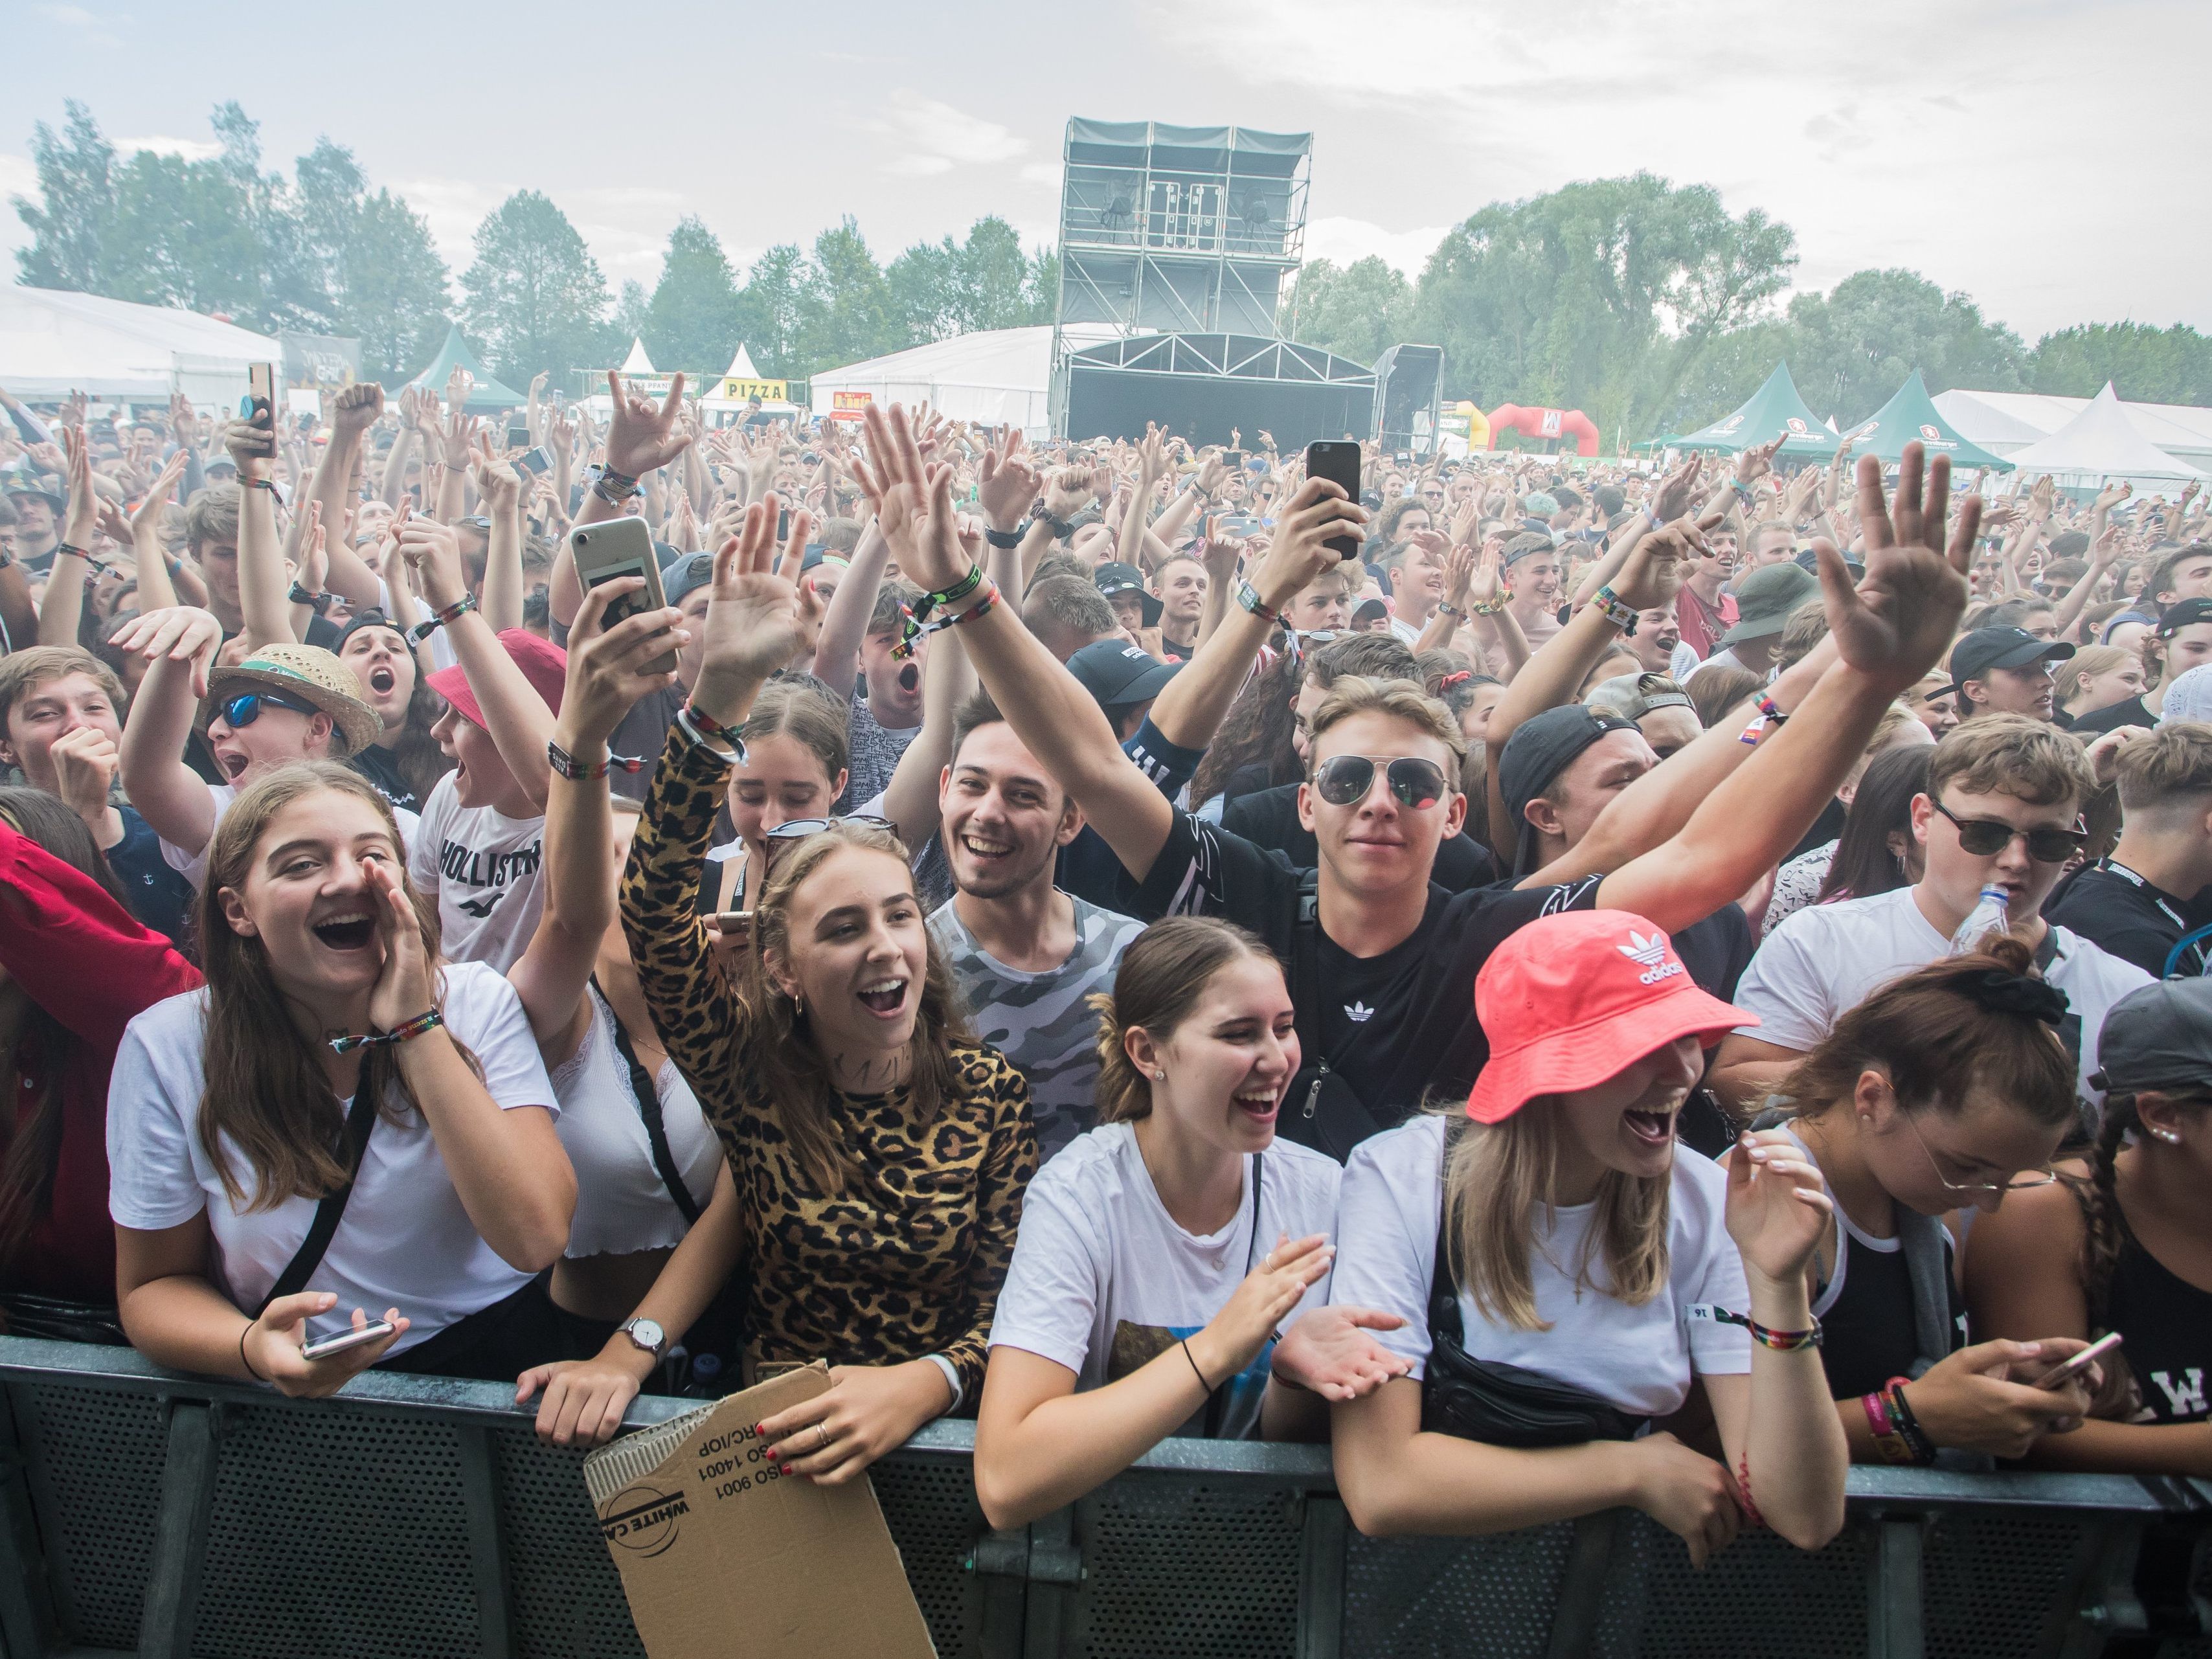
pixel 2003 992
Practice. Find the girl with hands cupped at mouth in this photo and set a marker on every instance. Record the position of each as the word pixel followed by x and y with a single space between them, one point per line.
pixel 1171 1275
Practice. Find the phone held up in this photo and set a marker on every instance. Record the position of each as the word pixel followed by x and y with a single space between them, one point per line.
pixel 614 548
pixel 259 407
pixel 1337 460
pixel 352 1337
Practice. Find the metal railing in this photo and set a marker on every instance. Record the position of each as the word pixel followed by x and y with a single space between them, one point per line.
pixel 145 1512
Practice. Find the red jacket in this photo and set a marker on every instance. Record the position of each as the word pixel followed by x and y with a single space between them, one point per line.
pixel 88 963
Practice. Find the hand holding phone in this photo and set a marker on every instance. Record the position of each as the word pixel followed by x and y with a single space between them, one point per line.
pixel 1337 460
pixel 358 1336
pixel 2066 1370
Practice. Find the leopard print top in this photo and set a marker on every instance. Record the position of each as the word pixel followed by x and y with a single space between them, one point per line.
pixel 907 1260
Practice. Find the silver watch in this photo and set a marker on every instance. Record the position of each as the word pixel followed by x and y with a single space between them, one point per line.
pixel 648 1334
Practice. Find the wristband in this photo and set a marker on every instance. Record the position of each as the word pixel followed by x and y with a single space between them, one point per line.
pixel 242 1360
pixel 1451 609
pixel 1008 539
pixel 399 1034
pixel 1621 615
pixel 1249 596
pixel 438 619
pixel 1061 529
pixel 1766 1335
pixel 1921 1448
pixel 567 766
pixel 1774 716
pixel 269 484
pixel 612 487
pixel 1491 608
pixel 915 626
pixel 320 603
pixel 1888 1444
pixel 707 729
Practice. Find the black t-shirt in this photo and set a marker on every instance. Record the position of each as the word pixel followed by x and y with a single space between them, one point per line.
pixel 2097 721
pixel 1399 1027
pixel 1826 828
pixel 1269 818
pixel 1087 866
pixel 2117 911
pixel 1716 951
pixel 378 766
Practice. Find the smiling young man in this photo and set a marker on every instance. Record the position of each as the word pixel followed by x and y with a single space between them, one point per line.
pixel 1383 794
pixel 2002 809
pixel 1532 575
pixel 1026 956
pixel 1705 609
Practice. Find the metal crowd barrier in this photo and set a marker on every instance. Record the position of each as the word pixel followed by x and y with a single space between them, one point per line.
pixel 144 1512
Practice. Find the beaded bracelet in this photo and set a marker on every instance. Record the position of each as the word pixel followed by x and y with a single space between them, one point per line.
pixel 399 1034
pixel 438 619
pixel 1766 1335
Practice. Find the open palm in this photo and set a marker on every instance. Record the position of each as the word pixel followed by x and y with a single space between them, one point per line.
pixel 1896 624
pixel 913 500
pixel 758 615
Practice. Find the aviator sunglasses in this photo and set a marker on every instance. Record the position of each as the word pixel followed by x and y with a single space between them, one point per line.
pixel 1344 780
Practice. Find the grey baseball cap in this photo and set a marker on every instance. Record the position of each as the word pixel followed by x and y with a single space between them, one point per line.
pixel 2159 1036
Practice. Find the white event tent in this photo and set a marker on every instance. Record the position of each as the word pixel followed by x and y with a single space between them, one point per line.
pixel 53 342
pixel 2006 422
pixel 2102 444
pixel 1000 377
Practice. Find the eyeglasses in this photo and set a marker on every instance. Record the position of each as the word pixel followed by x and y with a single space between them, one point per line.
pixel 2021 1180
pixel 1343 780
pixel 1982 836
pixel 246 707
pixel 800 829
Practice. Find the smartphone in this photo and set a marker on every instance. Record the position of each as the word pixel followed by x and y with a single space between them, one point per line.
pixel 538 460
pixel 518 432
pixel 1238 525
pixel 259 406
pixel 783 524
pixel 622 547
pixel 1337 460
pixel 323 1347
pixel 731 922
pixel 2066 1369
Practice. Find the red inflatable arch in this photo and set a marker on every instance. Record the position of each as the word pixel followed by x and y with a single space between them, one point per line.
pixel 1545 424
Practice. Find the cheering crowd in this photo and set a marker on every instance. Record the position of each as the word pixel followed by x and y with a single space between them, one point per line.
pixel 1578 984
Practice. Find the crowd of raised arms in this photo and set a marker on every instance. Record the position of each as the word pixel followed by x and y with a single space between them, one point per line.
pixel 1634 985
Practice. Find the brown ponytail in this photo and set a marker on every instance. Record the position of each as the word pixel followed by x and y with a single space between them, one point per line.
pixel 2099 1199
pixel 1163 973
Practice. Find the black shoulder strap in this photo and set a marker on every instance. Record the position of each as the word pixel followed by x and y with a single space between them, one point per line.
pixel 1216 1403
pixel 1444 1321
pixel 1305 966
pixel 361 1118
pixel 649 1108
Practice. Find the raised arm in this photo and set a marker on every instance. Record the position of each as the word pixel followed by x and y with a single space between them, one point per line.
pixel 1006 485
pixel 63 607
pixel 178 646
pixel 837 657
pixel 641 436
pixel 910 798
pixel 262 583
pixel 157 591
pixel 356 409
pixel 500 488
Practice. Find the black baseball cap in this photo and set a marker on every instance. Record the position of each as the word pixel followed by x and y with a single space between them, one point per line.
pixel 1117 674
pixel 2182 613
pixel 2004 648
pixel 371 617
pixel 1116 577
pixel 2158 1037
pixel 1540 748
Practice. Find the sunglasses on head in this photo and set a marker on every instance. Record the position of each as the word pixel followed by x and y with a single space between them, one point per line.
pixel 799 829
pixel 1344 780
pixel 1982 836
pixel 246 707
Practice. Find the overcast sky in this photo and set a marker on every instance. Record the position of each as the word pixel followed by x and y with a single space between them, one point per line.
pixel 2044 155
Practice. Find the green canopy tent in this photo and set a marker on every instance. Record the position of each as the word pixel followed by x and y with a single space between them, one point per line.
pixel 1911 417
pixel 487 396
pixel 1775 411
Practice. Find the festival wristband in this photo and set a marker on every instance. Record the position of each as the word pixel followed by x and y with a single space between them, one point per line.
pixel 1619 614
pixel 438 619
pixel 567 766
pixel 612 487
pixel 705 728
pixel 399 1034
pixel 1005 538
pixel 1249 596
pixel 1920 1448
pixel 916 625
pixel 269 484
pixel 1489 608
pixel 1766 1335
pixel 319 603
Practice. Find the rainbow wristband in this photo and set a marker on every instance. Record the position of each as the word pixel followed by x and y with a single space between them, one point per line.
pixel 399 1034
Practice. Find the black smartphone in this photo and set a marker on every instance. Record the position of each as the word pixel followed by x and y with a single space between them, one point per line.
pixel 1337 460
pixel 518 432
pixel 537 460
pixel 783 524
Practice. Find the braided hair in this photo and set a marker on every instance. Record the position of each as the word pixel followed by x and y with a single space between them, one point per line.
pixel 2098 1197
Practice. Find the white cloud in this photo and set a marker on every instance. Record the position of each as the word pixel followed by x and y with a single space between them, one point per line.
pixel 930 137
pixel 1041 172
pixel 188 149
pixel 1342 241
pixel 75 17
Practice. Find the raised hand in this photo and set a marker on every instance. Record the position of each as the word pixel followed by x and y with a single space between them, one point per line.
pixel 460 433
pixel 1672 498
pixel 83 518
pixel 607 676
pixel 1007 483
pixel 759 614
pixel 1899 619
pixel 1305 525
pixel 1776 1208
pixel 1756 463
pixel 913 501
pixel 180 633
pixel 407 985
pixel 500 484
pixel 1659 563
pixel 358 408
pixel 1069 491
pixel 1459 575
pixel 184 425
pixel 433 552
pixel 641 435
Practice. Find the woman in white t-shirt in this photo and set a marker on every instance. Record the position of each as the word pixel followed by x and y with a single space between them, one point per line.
pixel 657 1225
pixel 1590 1269
pixel 1164 1255
pixel 229 1125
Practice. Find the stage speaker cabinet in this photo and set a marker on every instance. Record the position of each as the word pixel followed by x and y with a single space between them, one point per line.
pixel 1409 382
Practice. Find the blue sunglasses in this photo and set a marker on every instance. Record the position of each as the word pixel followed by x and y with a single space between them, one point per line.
pixel 246 707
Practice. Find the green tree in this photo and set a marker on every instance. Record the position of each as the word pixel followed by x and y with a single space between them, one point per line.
pixel 769 308
pixel 391 288
pixel 2145 364
pixel 1354 311
pixel 534 294
pixel 846 310
pixel 190 230
pixel 330 186
pixel 692 321
pixel 1852 348
pixel 73 222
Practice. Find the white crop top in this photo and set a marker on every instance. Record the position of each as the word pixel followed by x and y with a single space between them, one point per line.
pixel 622 1204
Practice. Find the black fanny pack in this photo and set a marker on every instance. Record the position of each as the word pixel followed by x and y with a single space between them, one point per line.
pixel 1495 1403
pixel 60 1319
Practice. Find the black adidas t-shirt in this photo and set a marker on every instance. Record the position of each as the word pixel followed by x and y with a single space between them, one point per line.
pixel 1400 1027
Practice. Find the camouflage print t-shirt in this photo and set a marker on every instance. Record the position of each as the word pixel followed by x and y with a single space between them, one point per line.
pixel 1041 1022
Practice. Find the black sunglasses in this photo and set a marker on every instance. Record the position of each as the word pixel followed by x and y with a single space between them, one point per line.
pixel 246 707
pixel 1343 780
pixel 1982 836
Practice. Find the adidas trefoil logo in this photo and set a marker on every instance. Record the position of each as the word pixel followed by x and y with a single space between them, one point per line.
pixel 1359 1012
pixel 1651 952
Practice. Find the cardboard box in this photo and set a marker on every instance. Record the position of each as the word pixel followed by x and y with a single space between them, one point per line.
pixel 722 1553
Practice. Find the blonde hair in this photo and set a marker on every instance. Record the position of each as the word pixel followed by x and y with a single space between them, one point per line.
pixel 1497 1175
pixel 1163 973
pixel 2087 663
pixel 1400 698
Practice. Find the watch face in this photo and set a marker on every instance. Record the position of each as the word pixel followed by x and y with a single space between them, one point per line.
pixel 647 1334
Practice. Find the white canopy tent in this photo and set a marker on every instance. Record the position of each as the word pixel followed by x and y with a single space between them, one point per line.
pixel 1000 377
pixel 2005 423
pixel 53 342
pixel 2102 444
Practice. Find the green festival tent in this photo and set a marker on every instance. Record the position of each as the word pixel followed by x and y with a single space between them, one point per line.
pixel 1775 411
pixel 1911 417
pixel 487 396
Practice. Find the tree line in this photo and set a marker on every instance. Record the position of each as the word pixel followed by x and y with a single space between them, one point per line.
pixel 1643 303
pixel 1650 308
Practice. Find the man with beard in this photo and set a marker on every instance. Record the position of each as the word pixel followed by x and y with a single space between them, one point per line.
pixel 1026 956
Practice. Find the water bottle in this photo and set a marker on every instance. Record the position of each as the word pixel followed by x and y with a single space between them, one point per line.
pixel 1994 913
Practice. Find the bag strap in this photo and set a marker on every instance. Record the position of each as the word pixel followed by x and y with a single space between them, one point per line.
pixel 649 1108
pixel 1216 1403
pixel 1305 965
pixel 360 1119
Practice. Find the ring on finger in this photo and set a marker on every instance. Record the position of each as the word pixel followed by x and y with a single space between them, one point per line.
pixel 822 1436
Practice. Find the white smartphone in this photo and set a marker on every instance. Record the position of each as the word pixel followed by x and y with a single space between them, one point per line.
pixel 2066 1369
pixel 324 1347
pixel 622 547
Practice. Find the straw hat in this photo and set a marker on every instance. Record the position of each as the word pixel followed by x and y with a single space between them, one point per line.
pixel 308 672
